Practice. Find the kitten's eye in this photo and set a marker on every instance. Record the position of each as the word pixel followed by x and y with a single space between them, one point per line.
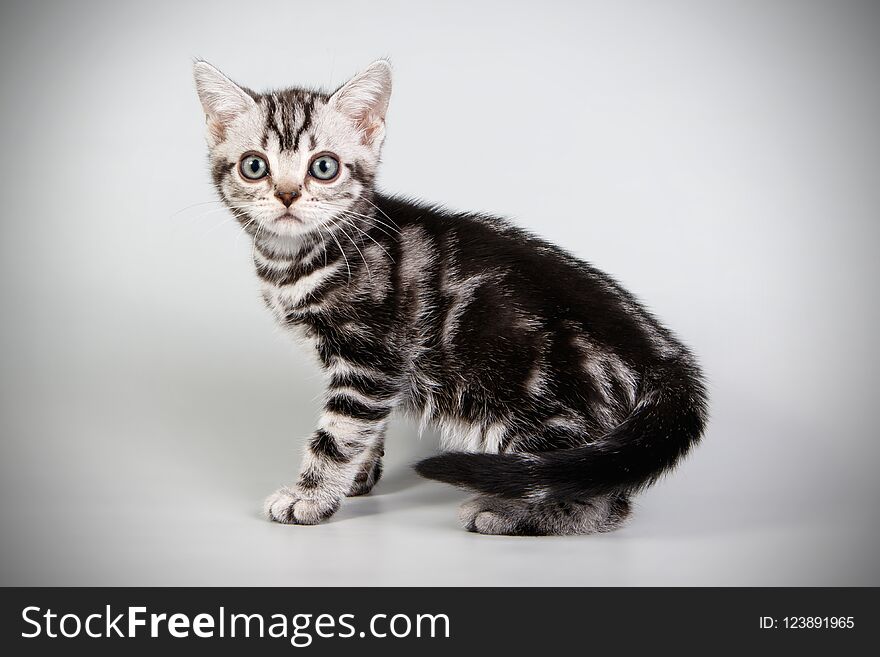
pixel 324 167
pixel 253 166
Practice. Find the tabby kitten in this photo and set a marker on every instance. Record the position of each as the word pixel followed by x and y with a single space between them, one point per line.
pixel 556 393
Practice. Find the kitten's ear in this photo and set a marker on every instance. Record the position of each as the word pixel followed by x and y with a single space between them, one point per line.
pixel 364 100
pixel 221 99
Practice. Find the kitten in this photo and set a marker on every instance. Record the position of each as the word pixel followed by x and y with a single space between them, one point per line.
pixel 556 393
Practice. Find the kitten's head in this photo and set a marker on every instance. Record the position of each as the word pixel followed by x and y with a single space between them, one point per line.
pixel 290 162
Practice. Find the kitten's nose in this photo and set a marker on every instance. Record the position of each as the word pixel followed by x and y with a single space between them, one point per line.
pixel 286 197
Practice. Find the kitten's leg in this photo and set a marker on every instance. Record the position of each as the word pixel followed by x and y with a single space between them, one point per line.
pixel 485 514
pixel 370 472
pixel 336 453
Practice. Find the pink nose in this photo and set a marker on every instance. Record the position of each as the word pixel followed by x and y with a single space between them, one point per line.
pixel 286 197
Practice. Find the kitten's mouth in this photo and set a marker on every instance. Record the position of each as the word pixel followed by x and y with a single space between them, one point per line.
pixel 287 217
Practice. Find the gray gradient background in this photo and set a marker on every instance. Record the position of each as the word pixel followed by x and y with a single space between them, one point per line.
pixel 721 159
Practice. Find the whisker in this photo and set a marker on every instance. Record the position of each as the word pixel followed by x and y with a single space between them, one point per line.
pixel 382 212
pixel 342 251
pixel 394 228
pixel 234 210
pixel 237 215
pixel 254 245
pixel 323 244
pixel 377 222
pixel 225 221
pixel 369 273
pixel 244 230
pixel 355 226
pixel 224 206
pixel 194 205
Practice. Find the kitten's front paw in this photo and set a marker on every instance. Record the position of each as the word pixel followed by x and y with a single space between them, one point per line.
pixel 287 506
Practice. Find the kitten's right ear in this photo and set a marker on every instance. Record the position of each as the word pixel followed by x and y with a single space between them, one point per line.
pixel 221 98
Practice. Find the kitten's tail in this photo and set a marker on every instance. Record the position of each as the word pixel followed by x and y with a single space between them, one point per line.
pixel 665 423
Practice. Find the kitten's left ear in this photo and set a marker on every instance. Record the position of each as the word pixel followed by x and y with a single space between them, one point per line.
pixel 364 100
pixel 221 98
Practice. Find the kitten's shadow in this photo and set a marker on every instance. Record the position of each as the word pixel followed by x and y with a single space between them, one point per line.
pixel 399 480
pixel 403 490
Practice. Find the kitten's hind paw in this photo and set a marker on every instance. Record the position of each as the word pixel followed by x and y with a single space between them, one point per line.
pixel 485 514
pixel 288 507
pixel 488 515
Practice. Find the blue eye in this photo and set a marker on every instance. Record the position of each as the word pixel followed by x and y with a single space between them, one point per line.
pixel 253 166
pixel 324 167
